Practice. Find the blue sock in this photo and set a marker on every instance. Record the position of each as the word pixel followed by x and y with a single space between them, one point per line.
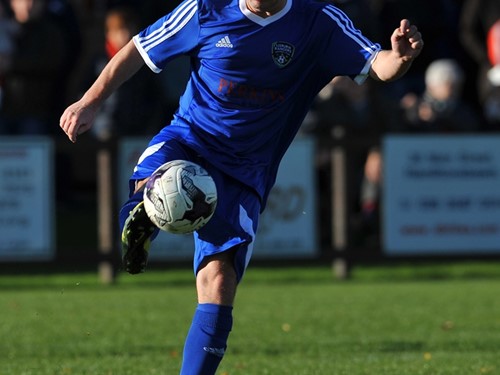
pixel 206 341
pixel 129 206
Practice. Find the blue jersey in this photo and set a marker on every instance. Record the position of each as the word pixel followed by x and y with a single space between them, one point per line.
pixel 253 79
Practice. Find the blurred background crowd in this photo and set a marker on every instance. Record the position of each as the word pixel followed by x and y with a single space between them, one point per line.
pixel 52 50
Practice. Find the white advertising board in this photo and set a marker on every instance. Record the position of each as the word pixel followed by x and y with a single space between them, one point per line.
pixel 287 228
pixel 441 195
pixel 26 199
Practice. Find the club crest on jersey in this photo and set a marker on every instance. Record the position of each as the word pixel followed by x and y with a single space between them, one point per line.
pixel 282 53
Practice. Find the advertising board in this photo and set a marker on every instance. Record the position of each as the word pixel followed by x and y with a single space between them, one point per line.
pixel 441 195
pixel 26 199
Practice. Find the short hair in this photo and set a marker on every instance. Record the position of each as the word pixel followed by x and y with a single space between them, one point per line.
pixel 444 71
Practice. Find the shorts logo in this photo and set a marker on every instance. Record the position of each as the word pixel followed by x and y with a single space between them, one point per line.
pixel 282 53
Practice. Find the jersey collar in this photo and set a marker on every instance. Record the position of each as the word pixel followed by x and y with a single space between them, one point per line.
pixel 264 21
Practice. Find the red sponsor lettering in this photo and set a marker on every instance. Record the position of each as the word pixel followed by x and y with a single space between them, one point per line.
pixel 249 94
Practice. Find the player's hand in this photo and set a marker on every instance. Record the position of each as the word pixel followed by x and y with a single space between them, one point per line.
pixel 406 41
pixel 77 119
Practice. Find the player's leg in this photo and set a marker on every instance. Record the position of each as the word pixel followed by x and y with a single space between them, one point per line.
pixel 206 341
pixel 223 248
pixel 136 229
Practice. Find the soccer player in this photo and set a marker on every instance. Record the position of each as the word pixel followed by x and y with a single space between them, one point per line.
pixel 256 66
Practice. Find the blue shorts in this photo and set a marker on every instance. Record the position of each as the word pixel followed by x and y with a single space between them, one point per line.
pixel 234 223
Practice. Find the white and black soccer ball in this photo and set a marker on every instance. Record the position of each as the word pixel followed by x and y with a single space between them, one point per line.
pixel 180 197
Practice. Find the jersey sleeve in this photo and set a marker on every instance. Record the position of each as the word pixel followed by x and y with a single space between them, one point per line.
pixel 348 52
pixel 173 35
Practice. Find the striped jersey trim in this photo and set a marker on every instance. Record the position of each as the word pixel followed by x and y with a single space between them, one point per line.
pixel 175 22
pixel 346 25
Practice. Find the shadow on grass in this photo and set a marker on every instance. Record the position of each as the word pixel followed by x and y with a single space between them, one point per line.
pixel 428 271
pixel 182 275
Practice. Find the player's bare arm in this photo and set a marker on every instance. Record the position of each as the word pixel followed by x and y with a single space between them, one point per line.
pixel 79 117
pixel 406 45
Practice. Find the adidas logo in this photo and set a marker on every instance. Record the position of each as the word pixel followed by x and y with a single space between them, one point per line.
pixel 224 43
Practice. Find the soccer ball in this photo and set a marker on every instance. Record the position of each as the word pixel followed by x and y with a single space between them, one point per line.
pixel 180 197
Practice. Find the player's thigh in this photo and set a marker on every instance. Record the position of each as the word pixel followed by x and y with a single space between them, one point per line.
pixel 232 228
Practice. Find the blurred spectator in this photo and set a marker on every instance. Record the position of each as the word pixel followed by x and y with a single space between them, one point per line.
pixel 7 33
pixel 492 109
pixel 137 107
pixel 478 21
pixel 64 15
pixel 346 108
pixel 441 108
pixel 491 104
pixel 358 115
pixel 174 77
pixel 367 222
pixel 32 81
pixel 493 43
pixel 438 21
pixel 148 10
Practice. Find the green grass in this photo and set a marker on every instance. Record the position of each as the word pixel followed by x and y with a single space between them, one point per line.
pixel 389 320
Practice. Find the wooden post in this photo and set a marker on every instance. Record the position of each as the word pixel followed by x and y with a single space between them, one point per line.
pixel 339 212
pixel 105 214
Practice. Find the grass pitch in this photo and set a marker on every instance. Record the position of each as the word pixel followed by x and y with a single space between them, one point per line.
pixel 423 319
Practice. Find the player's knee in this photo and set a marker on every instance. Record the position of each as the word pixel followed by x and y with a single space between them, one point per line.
pixel 216 280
